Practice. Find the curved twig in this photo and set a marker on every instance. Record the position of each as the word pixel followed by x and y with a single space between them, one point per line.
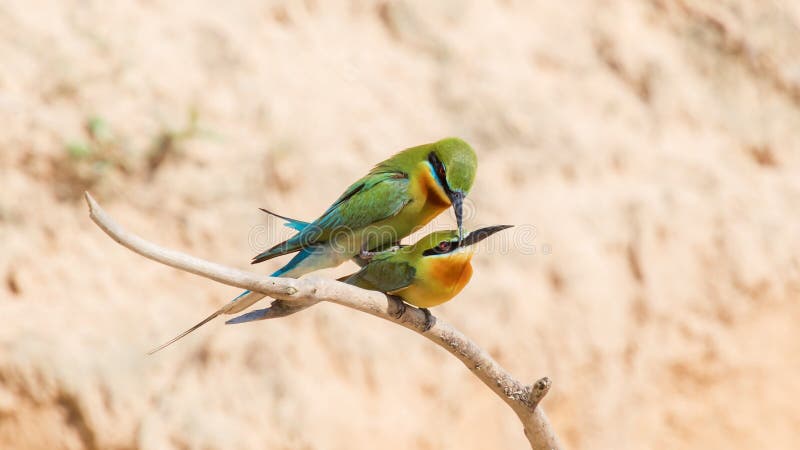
pixel 523 399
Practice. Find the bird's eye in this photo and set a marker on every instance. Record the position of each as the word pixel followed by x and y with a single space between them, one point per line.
pixel 440 171
pixel 440 248
pixel 437 166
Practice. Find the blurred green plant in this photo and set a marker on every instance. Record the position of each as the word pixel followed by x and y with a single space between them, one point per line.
pixel 89 160
pixel 100 159
pixel 169 142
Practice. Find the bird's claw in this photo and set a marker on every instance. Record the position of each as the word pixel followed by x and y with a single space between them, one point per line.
pixel 429 319
pixel 366 255
pixel 399 306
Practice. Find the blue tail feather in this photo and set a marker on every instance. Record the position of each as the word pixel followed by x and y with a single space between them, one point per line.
pixel 294 262
pixel 291 265
pixel 291 223
pixel 258 314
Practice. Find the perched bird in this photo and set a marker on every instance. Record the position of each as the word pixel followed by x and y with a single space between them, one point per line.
pixel 428 273
pixel 396 198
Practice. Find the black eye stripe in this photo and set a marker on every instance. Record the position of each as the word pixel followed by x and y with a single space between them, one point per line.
pixel 439 168
pixel 441 248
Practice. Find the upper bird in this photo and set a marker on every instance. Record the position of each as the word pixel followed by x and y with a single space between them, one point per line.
pixel 428 273
pixel 396 198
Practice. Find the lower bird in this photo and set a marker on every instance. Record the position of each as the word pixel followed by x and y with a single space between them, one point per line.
pixel 426 274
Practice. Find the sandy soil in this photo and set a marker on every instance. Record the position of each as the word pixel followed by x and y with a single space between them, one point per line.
pixel 647 151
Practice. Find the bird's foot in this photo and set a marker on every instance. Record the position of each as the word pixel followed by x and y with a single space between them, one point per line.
pixel 429 319
pixel 399 307
pixel 366 255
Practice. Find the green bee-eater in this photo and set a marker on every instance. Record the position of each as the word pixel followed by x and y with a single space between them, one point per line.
pixel 430 272
pixel 396 198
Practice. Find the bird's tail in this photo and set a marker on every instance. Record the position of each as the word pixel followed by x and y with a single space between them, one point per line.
pixel 246 299
pixel 293 269
pixel 291 245
pixel 297 225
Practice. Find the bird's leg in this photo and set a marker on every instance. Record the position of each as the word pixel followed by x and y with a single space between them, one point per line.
pixel 367 255
pixel 394 247
pixel 429 319
pixel 399 306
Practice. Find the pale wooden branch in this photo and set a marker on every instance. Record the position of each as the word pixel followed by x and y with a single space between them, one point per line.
pixel 523 399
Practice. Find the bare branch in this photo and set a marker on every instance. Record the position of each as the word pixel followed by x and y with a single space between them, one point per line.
pixel 521 398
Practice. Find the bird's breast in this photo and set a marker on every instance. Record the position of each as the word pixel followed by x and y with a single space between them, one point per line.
pixel 451 272
pixel 439 279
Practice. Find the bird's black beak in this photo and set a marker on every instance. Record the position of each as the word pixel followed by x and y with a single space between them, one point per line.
pixel 457 199
pixel 481 234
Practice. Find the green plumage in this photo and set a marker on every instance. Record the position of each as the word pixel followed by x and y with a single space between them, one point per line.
pixel 386 272
pixel 369 200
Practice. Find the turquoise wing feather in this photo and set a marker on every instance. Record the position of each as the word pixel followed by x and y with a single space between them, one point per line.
pixel 373 198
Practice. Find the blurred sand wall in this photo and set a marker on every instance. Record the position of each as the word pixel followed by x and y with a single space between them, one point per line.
pixel 649 152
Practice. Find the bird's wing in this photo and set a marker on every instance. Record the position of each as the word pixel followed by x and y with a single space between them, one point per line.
pixel 384 273
pixel 376 197
pixel 371 199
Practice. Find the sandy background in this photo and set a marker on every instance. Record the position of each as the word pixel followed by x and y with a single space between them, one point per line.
pixel 649 150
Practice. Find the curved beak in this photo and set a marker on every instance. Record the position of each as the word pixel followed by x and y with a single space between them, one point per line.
pixel 481 234
pixel 457 199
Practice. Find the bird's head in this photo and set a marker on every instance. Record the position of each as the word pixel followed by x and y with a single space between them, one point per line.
pixel 453 164
pixel 446 243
